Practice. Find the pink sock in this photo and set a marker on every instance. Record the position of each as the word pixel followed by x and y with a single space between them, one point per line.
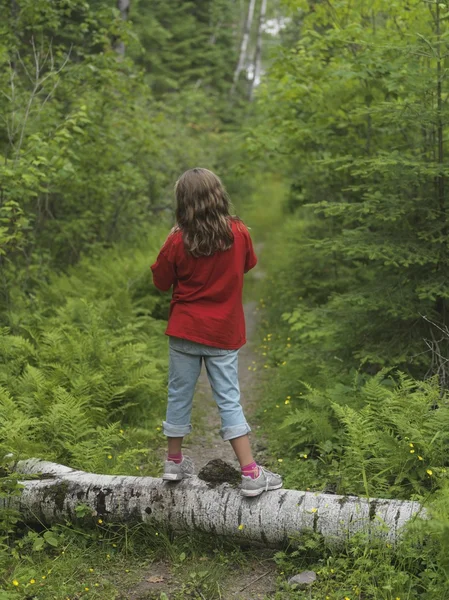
pixel 176 458
pixel 251 470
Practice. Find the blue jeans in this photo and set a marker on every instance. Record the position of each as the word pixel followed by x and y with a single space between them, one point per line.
pixel 186 358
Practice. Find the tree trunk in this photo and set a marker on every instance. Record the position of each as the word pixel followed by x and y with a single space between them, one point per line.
pixel 244 45
pixel 123 6
pixel 258 55
pixel 272 518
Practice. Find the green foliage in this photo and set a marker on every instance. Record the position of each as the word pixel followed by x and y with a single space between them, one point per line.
pixel 372 569
pixel 379 436
pixel 68 387
pixel 185 43
pixel 90 155
pixel 355 105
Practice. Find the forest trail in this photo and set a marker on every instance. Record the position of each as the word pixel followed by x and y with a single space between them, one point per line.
pixel 255 579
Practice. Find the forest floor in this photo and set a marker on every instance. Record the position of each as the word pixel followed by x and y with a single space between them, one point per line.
pixel 251 573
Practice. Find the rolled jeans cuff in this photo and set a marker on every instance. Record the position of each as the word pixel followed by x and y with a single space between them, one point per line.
pixel 234 431
pixel 176 430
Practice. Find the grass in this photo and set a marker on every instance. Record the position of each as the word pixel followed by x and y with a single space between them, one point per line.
pixel 110 562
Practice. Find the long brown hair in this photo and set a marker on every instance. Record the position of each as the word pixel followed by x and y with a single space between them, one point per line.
pixel 202 212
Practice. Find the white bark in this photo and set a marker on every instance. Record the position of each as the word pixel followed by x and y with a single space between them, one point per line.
pixel 123 6
pixel 272 518
pixel 258 55
pixel 244 45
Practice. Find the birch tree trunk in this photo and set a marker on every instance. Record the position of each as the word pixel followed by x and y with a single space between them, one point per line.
pixel 123 6
pixel 244 45
pixel 258 55
pixel 272 518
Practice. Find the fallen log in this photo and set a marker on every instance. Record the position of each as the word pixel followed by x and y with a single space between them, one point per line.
pixel 273 518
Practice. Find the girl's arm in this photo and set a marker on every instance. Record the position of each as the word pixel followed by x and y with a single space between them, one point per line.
pixel 251 258
pixel 164 272
pixel 164 275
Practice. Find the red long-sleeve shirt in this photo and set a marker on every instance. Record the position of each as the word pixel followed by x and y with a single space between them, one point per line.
pixel 206 305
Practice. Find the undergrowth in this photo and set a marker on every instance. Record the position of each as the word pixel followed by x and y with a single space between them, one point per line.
pixel 333 425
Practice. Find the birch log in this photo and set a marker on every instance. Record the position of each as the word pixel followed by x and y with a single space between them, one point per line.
pixel 244 44
pixel 273 518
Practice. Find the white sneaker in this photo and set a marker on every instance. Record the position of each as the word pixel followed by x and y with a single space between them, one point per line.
pixel 265 482
pixel 176 472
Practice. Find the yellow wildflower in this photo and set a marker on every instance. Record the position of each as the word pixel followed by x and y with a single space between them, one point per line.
pixel 158 428
pixel 287 402
pixel 126 570
pixel 412 452
pixel 91 570
pixel 109 456
pixel 100 521
pixel 411 445
pixel 420 458
pixel 86 589
pixel 121 431
pixel 241 526
pixel 15 582
pixel 280 460
pixel 429 472
pixel 314 510
pixel 96 584
pixel 44 577
pixel 32 581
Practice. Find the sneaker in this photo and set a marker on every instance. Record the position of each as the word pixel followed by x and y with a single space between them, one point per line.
pixel 265 482
pixel 176 472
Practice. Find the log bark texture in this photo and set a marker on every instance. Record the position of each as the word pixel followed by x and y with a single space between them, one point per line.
pixel 272 518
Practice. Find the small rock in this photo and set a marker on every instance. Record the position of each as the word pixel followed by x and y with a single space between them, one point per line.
pixel 303 580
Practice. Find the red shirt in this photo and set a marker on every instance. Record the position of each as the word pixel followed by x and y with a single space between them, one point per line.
pixel 206 305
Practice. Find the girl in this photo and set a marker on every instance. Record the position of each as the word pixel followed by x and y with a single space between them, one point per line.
pixel 204 259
